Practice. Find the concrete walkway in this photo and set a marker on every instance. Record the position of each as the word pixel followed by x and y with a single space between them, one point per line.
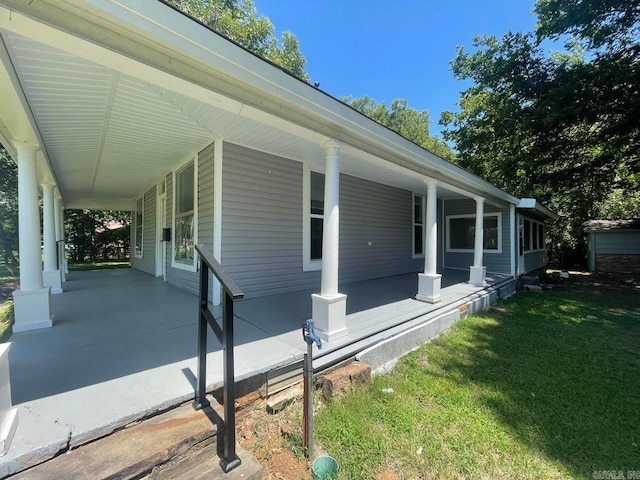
pixel 123 346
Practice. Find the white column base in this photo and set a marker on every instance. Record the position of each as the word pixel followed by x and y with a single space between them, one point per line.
pixel 53 279
pixel 330 316
pixel 476 276
pixel 31 309
pixel 8 415
pixel 429 287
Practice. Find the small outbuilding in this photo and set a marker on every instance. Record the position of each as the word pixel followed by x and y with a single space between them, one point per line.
pixel 614 246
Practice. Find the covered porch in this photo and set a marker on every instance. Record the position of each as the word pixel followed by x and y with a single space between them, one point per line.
pixel 125 343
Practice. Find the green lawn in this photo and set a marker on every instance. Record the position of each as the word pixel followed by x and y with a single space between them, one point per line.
pixel 545 386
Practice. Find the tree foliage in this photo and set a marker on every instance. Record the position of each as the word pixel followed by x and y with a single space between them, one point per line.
pixel 94 235
pixel 561 126
pixel 410 123
pixel 238 20
pixel 8 208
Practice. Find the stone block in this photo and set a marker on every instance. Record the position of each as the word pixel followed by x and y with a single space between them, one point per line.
pixel 344 379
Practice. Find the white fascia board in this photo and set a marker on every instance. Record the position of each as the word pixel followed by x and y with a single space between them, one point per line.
pixel 184 55
pixel 533 204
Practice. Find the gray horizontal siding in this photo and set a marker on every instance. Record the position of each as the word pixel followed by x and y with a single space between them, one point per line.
pixel 176 276
pixel 262 226
pixel 534 260
pixel 618 242
pixel 148 261
pixel 495 262
pixel 382 215
pixel 262 222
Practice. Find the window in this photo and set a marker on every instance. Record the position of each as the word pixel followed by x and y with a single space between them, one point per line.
pixel 139 227
pixel 533 238
pixel 461 233
pixel 418 225
pixel 316 213
pixel 313 215
pixel 185 217
pixel 541 236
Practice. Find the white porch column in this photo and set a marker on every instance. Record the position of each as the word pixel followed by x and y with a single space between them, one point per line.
pixel 59 219
pixel 512 238
pixel 478 271
pixel 329 309
pixel 31 301
pixel 8 414
pixel 51 275
pixel 429 282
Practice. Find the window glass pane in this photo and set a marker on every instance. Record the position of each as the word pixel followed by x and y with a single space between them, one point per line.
pixel 417 239
pixel 540 236
pixel 184 239
pixel 317 193
pixel 527 235
pixel 490 235
pixel 184 187
pixel 462 233
pixel 138 232
pixel 417 210
pixel 316 238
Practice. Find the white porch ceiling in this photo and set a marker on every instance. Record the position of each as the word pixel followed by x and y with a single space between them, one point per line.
pixel 110 136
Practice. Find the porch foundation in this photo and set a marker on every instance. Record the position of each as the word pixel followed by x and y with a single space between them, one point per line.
pixel 8 415
pixel 330 316
pixel 477 275
pixel 53 279
pixel 429 287
pixel 31 309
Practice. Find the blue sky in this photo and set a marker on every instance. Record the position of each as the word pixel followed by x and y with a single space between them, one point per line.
pixel 393 49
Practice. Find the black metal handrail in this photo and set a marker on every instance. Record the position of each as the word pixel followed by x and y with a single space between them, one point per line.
pixel 229 459
pixel 60 254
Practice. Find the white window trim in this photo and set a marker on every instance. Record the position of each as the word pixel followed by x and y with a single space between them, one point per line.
pixel 135 236
pixel 413 226
pixel 308 265
pixel 174 264
pixel 498 215
pixel 533 233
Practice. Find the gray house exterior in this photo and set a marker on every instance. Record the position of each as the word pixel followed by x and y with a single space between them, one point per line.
pixel 131 105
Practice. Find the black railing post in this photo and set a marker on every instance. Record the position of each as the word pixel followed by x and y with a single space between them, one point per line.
pixel 201 387
pixel 229 460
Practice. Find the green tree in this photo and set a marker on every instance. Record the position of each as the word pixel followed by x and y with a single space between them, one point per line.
pixel 556 125
pixel 239 21
pixel 94 235
pixel 8 208
pixel 410 123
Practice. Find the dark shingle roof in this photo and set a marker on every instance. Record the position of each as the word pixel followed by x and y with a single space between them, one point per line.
pixel 605 225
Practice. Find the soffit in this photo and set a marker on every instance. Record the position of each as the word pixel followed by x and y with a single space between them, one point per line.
pixel 109 136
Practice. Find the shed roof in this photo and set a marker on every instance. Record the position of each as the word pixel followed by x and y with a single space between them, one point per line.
pixel 607 225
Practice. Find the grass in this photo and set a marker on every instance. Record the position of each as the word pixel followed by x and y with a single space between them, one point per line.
pixel 84 267
pixel 547 386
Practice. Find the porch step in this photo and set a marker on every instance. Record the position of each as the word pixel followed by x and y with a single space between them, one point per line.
pixel 178 444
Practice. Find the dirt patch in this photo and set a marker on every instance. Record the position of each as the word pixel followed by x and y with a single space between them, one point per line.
pixel 387 474
pixel 275 440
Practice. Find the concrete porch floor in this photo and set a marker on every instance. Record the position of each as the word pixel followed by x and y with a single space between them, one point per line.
pixel 123 346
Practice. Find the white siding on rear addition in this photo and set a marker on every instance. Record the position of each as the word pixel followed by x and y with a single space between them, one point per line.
pixel 147 263
pixel 495 262
pixel 176 276
pixel 262 220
